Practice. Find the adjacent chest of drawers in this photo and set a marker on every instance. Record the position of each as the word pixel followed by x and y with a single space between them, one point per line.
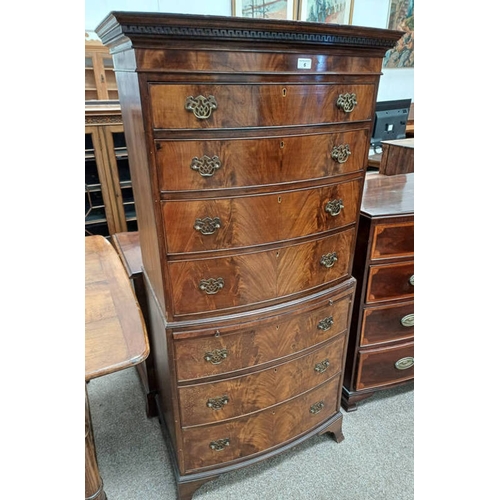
pixel 380 353
pixel 247 143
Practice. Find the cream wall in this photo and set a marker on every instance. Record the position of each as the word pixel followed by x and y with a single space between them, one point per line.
pixel 394 83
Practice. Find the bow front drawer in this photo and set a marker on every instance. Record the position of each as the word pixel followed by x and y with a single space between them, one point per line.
pixel 244 279
pixel 201 354
pixel 239 162
pixel 379 367
pixel 272 105
pixel 393 240
pixel 217 401
pixel 242 221
pixel 251 435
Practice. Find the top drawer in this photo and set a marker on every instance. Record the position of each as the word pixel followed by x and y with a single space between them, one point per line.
pixel 393 240
pixel 268 105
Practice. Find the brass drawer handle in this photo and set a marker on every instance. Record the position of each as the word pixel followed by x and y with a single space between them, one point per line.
pixel 408 320
pixel 211 285
pixel 201 106
pixel 317 407
pixel 334 207
pixel 206 166
pixel 322 366
pixel 216 357
pixel 412 280
pixel 220 444
pixel 329 259
pixel 347 102
pixel 404 363
pixel 341 153
pixel 207 225
pixel 325 324
pixel 218 403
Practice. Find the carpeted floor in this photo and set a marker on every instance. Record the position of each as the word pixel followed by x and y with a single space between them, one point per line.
pixel 374 462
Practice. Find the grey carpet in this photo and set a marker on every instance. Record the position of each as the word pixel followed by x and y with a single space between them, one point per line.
pixel 374 462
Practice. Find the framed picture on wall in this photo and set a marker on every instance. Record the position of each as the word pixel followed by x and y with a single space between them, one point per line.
pixel 326 11
pixel 264 9
pixel 401 18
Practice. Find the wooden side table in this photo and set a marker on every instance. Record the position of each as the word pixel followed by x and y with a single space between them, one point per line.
pixel 115 335
pixel 128 247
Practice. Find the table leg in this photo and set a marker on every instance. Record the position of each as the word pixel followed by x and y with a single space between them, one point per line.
pixel 93 482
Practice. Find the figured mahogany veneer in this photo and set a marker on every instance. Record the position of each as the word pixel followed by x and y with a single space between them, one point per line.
pixel 261 161
pixel 244 221
pixel 258 105
pixel 247 144
pixel 380 352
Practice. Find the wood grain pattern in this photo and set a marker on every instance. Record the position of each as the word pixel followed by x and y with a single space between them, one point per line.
pixel 383 324
pixel 377 366
pixel 393 240
pixel 261 431
pixel 273 130
pixel 389 282
pixel 258 105
pixel 254 391
pixel 258 161
pixel 259 276
pixel 260 342
pixel 219 61
pixel 383 265
pixel 115 333
pixel 256 220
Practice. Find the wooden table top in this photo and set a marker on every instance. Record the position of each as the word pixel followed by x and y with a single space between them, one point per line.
pixel 115 333
pixel 385 195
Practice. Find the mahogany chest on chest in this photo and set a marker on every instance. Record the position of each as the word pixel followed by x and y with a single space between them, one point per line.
pixel 248 142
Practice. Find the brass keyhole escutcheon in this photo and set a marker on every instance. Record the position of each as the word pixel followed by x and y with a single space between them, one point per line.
pixel 282 144
pixel 283 92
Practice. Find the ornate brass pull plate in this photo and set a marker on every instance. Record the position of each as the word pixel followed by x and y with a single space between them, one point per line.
pixel 201 106
pixel 322 366
pixel 211 285
pixel 220 444
pixel 218 403
pixel 408 320
pixel 347 102
pixel 325 324
pixel 341 153
pixel 404 363
pixel 316 407
pixel 334 207
pixel 207 225
pixel 216 357
pixel 206 166
pixel 329 259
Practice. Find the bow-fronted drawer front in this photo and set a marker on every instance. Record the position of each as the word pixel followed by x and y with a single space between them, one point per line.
pixel 204 403
pixel 209 164
pixel 243 221
pixel 209 353
pixel 244 437
pixel 236 106
pixel 385 366
pixel 244 279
